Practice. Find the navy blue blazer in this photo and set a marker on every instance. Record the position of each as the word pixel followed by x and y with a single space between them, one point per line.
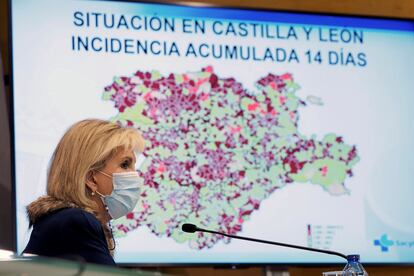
pixel 70 233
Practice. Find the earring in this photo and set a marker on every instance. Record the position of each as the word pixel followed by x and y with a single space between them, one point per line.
pixel 93 193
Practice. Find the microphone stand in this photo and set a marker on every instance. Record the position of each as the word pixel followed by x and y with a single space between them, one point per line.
pixel 268 242
pixel 191 228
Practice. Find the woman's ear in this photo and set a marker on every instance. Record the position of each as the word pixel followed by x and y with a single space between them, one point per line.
pixel 91 181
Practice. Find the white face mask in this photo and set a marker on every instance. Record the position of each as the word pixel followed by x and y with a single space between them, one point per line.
pixel 125 194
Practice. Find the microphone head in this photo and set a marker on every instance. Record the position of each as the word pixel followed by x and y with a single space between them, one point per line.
pixel 189 228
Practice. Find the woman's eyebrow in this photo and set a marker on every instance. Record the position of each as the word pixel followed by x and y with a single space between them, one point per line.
pixel 127 157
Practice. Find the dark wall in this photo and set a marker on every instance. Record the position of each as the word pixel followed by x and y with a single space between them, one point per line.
pixel 6 228
pixel 6 214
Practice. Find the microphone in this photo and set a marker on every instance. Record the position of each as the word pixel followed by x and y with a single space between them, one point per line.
pixel 189 228
pixel 192 228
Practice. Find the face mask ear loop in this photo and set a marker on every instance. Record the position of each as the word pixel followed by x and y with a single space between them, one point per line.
pixel 107 175
pixel 104 173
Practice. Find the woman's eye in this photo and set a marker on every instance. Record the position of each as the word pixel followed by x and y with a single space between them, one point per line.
pixel 125 165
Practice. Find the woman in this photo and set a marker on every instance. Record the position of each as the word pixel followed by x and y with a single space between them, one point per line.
pixel 91 180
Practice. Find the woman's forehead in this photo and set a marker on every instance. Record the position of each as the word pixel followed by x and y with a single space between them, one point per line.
pixel 124 153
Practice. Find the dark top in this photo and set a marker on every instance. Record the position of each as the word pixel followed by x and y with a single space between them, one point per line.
pixel 70 233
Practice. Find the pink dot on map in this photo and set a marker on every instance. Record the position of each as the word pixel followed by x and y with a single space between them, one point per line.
pixel 209 69
pixel 147 96
pixel 161 168
pixel 286 76
pixel 324 170
pixel 252 107
pixel 204 97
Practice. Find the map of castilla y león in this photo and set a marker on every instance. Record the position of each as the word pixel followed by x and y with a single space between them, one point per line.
pixel 215 151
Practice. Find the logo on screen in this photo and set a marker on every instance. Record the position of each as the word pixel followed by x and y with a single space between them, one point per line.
pixel 384 243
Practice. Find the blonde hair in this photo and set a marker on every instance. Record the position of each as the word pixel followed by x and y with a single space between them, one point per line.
pixel 86 146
